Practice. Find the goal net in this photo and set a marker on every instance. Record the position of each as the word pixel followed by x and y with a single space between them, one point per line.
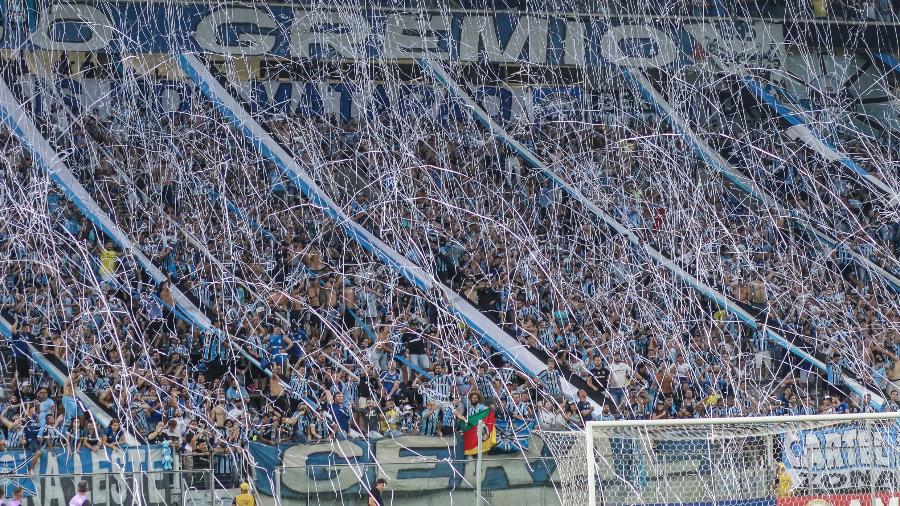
pixel 734 461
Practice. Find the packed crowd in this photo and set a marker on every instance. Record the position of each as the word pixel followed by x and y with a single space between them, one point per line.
pixel 310 337
pixel 834 302
pixel 295 364
pixel 465 176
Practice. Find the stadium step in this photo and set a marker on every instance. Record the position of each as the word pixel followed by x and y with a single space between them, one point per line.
pixel 745 313
pixel 215 90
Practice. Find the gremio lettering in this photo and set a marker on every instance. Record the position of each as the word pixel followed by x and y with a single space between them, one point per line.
pixel 410 463
pixel 281 31
pixel 306 466
pixel 254 29
pixel 89 20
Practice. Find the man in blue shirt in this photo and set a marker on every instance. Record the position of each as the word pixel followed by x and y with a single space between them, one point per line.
pixel 21 339
pixel 46 406
pixel 279 343
pixel 340 412
pixel 113 435
pixel 584 406
pixel 32 433
pixel 390 380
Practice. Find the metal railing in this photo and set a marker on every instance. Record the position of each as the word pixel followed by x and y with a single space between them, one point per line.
pixel 113 488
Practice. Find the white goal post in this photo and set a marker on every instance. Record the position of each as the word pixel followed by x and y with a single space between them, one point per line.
pixel 844 460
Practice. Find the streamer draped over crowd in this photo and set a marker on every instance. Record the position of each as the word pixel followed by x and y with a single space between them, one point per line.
pixel 313 337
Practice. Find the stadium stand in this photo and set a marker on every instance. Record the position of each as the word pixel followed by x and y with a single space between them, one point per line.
pixel 233 272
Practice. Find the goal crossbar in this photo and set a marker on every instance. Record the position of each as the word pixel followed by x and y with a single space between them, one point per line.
pixel 748 420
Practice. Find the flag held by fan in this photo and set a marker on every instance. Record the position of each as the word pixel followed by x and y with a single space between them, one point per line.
pixel 486 438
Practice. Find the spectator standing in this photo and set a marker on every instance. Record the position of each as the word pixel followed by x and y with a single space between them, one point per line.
pixel 21 348
pixel 431 420
pixel 107 256
pixel 390 381
pixel 370 416
pixel 81 497
pixel 46 406
pixel 31 431
pixel 584 406
pixel 598 375
pixel 415 345
pixel 619 372
pixel 550 380
pixel 340 413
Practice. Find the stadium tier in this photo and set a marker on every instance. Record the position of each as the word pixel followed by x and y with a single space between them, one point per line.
pixel 501 253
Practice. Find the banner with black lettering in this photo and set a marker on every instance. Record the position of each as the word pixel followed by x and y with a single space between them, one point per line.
pixel 847 458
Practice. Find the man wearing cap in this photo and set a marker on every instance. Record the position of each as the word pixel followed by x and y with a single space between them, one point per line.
pixel 244 498
pixel 783 482
pixel 81 498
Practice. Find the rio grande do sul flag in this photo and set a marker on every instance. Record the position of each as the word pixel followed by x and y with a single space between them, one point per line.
pixel 471 437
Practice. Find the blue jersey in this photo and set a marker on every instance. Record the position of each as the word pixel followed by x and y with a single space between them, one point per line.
pixel 303 423
pixel 834 373
pixel 389 379
pixel 550 380
pixel 32 430
pixel 409 423
pixel 212 346
pixel 760 340
pixel 484 383
pixel 113 436
pixel 341 415
pixel 46 408
pixel 447 416
pixel 430 422
pixel 139 414
pixel 101 384
pixel 323 425
pixel 276 344
pixel 350 389
pixel 299 387
pixel 295 351
pixel 442 385
pixel 281 359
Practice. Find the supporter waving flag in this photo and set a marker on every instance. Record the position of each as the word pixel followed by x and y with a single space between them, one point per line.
pixel 472 438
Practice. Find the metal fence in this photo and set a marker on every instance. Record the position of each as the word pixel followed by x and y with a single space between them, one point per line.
pixel 207 479
pixel 116 488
